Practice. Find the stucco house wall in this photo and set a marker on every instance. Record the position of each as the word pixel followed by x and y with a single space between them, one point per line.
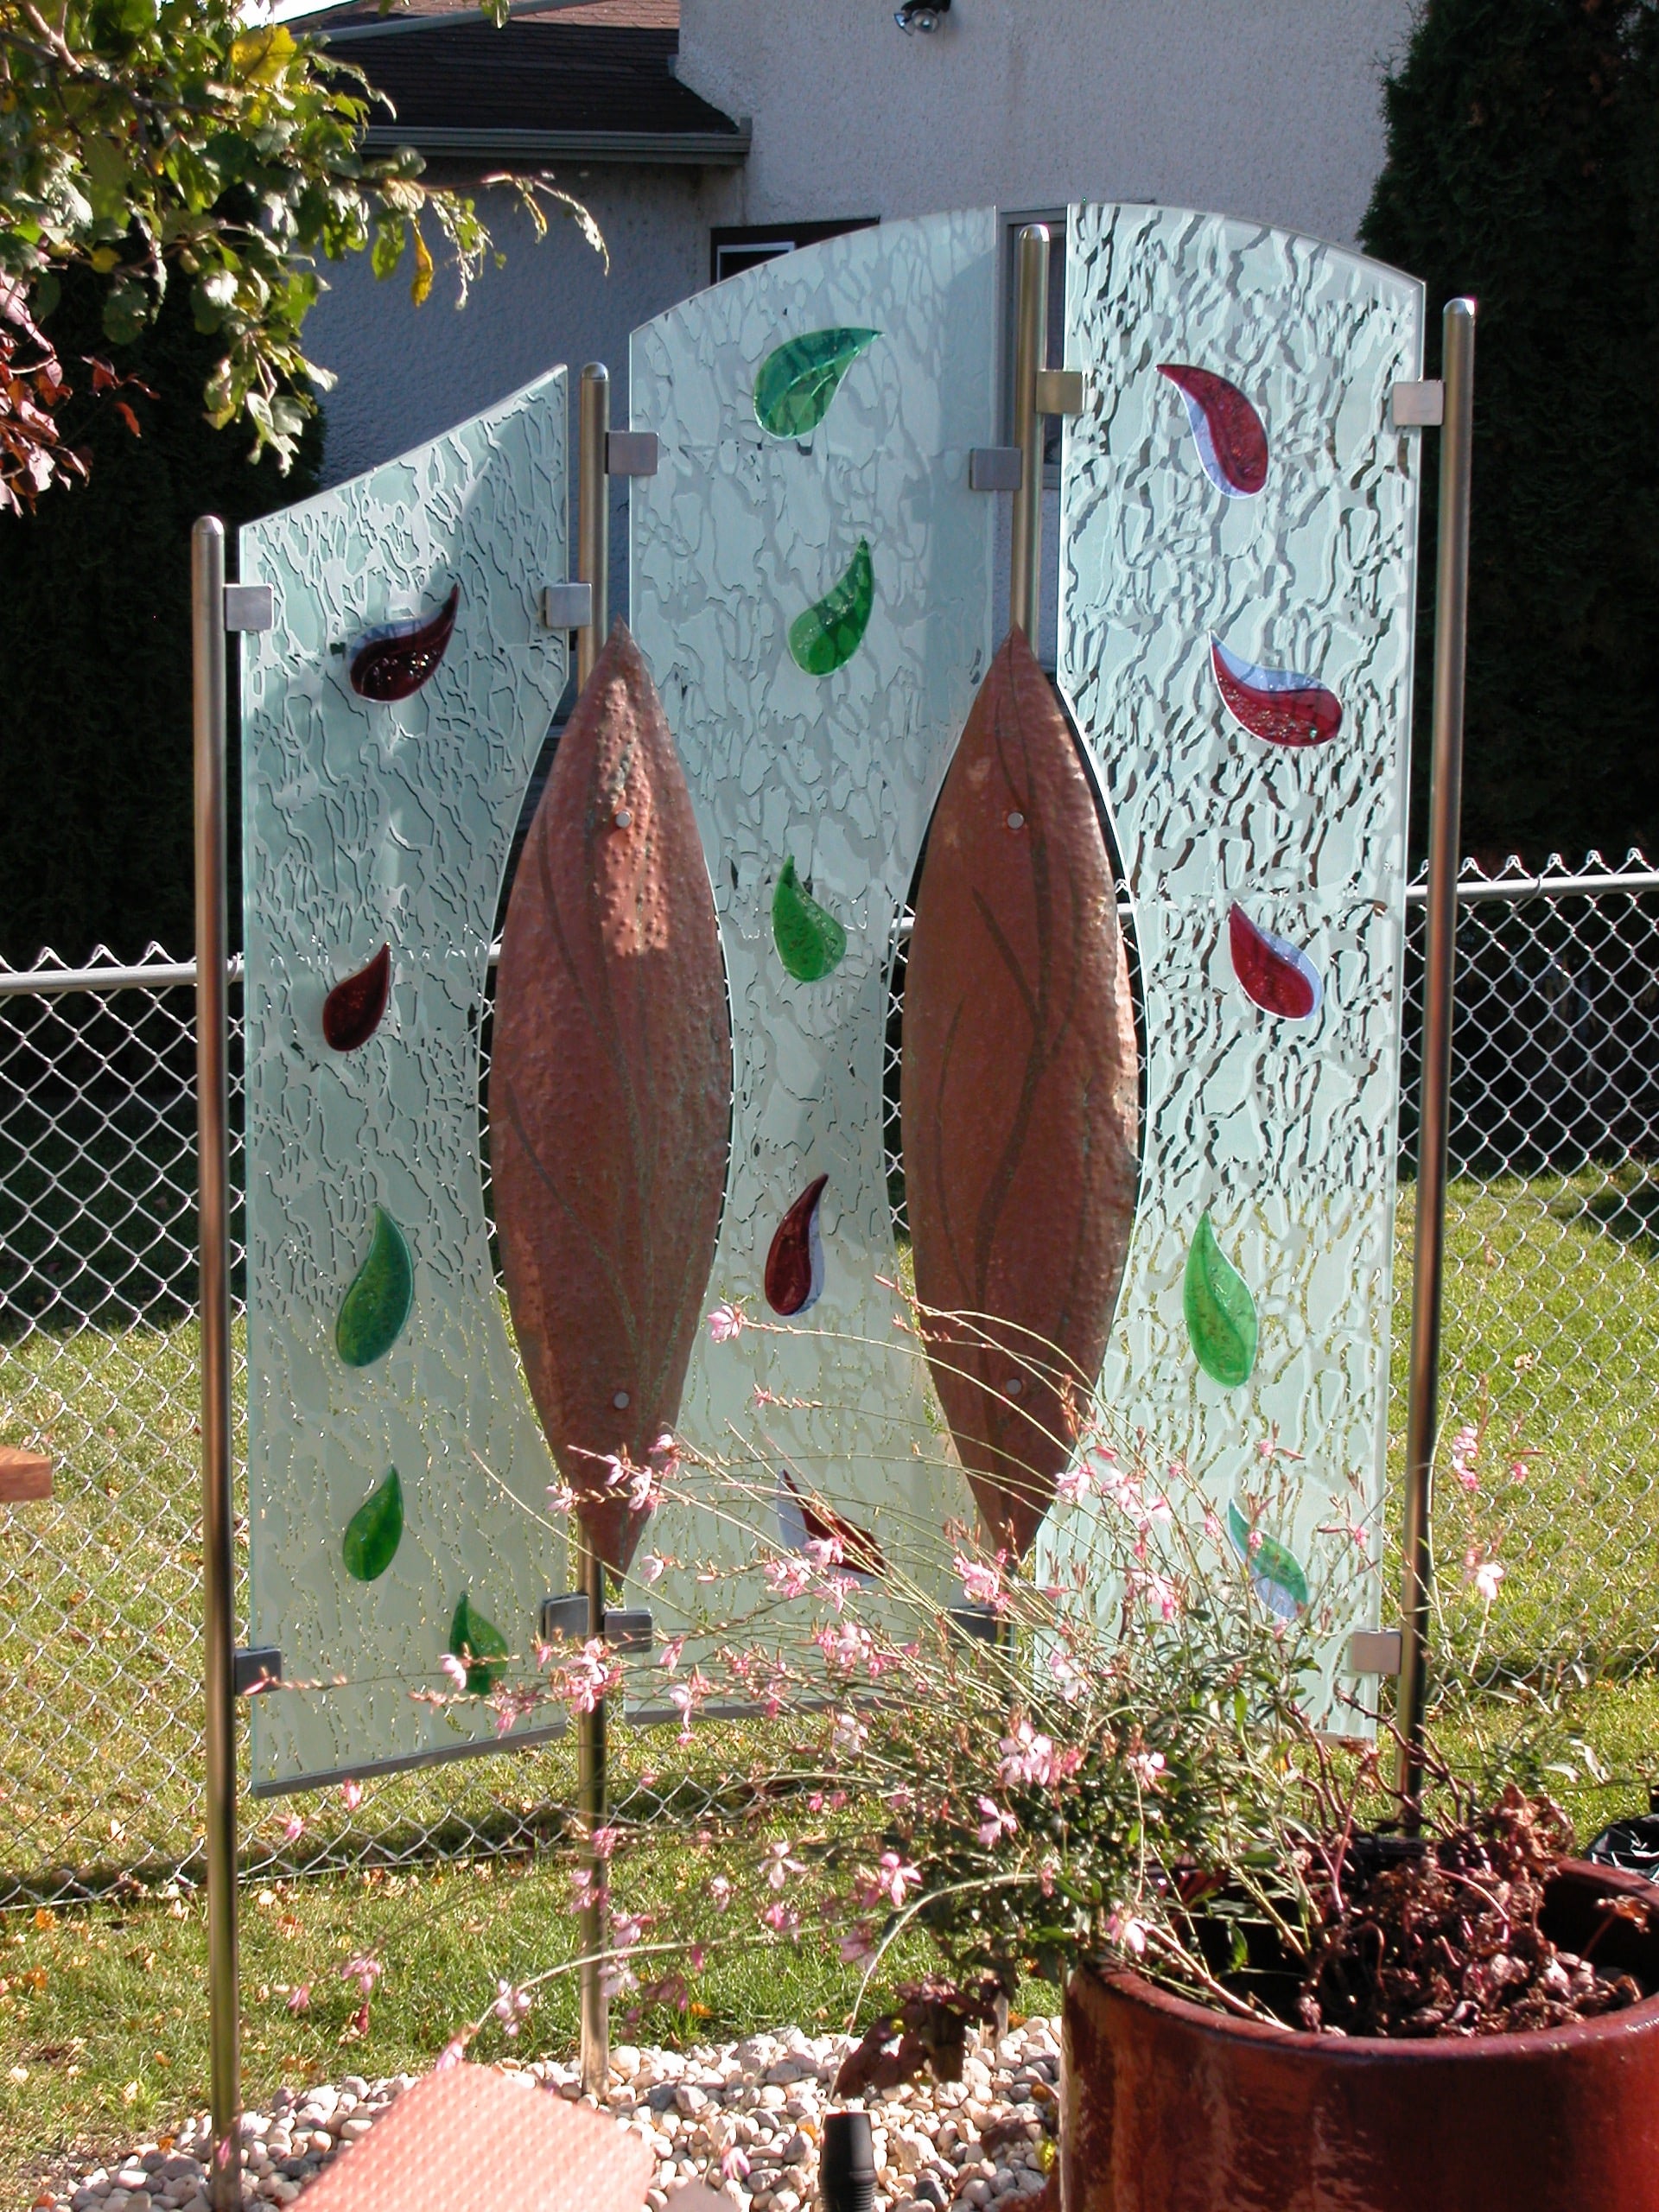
pixel 1264 108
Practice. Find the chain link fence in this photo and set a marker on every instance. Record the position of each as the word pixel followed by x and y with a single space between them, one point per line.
pixel 1552 1335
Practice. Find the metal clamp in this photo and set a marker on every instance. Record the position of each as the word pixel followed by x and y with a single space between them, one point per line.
pixel 566 607
pixel 566 1618
pixel 629 1628
pixel 631 453
pixel 1374 1652
pixel 258 1669
pixel 1419 406
pixel 995 468
pixel 248 606
pixel 1061 391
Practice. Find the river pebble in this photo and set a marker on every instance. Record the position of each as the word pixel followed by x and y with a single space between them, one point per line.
pixel 745 2118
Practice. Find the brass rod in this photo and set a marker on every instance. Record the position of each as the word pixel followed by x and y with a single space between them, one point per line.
pixel 591 1791
pixel 218 1526
pixel 592 510
pixel 1440 958
pixel 1030 351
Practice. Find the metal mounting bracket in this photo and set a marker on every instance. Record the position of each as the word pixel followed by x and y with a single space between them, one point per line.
pixel 566 607
pixel 256 1668
pixel 1419 406
pixel 1061 391
pixel 995 468
pixel 630 1628
pixel 1374 1652
pixel 248 606
pixel 631 453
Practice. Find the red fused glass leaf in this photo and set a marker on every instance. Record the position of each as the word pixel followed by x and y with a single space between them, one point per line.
pixel 1278 975
pixel 795 1264
pixel 1019 1095
pixel 352 1010
pixel 610 1090
pixel 1231 441
pixel 1275 704
pixel 393 661
pixel 801 1518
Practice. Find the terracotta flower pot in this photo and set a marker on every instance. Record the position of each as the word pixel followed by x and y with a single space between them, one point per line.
pixel 1168 2108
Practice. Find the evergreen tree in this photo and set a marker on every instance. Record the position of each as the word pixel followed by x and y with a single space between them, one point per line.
pixel 1523 168
pixel 95 768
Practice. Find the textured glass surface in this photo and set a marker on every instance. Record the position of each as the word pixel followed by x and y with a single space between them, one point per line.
pixel 369 822
pixel 1208 632
pixel 816 697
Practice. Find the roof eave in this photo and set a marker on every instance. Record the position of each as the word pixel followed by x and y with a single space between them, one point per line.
pixel 647 149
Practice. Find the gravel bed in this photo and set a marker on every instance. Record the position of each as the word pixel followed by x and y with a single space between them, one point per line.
pixel 745 2118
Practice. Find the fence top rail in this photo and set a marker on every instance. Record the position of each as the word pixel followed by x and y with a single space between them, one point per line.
pixel 155 972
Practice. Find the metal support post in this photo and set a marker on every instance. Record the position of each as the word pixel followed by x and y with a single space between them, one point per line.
pixel 1446 804
pixel 590 1785
pixel 1030 349
pixel 213 1116
pixel 593 514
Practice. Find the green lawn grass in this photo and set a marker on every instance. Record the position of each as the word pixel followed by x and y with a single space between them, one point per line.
pixel 1552 1333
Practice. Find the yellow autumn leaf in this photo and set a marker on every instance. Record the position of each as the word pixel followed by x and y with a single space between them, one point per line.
pixel 262 55
pixel 421 288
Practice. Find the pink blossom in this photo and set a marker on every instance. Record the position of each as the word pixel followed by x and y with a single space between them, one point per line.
pixel 891 1879
pixel 858 1943
pixel 824 1551
pixel 1075 1484
pixel 720 1890
pixel 1147 1768
pixel 1067 1675
pixel 293 1829
pixel 1464 1452
pixel 364 1971
pixel 734 2165
pixel 788 1578
pixel 626 1928
pixel 452 2054
pixel 351 1793
pixel 650 1568
pixel 672 1650
pixel 561 1497
pixel 980 1585
pixel 604 1841
pixel 455 1668
pixel 510 2006
pixel 685 1697
pixel 1517 1471
pixel 1026 1758
pixel 587 1888
pixel 1485 1573
pixel 724 1322
pixel 1122 1927
pixel 299 1999
pixel 849 1734
pixel 779 1865
pixel 994 1823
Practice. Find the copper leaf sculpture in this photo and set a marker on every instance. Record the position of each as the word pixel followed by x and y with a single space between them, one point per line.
pixel 1019 1095
pixel 610 1090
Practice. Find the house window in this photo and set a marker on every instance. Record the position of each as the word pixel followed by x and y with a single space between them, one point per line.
pixel 1055 218
pixel 731 252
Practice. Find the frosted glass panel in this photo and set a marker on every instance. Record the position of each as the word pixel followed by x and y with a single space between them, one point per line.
pixel 1238 539
pixel 384 764
pixel 811 589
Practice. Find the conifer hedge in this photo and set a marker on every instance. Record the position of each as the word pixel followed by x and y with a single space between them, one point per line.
pixel 1523 168
pixel 95 784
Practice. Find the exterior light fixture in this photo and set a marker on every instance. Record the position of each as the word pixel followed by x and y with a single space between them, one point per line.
pixel 922 15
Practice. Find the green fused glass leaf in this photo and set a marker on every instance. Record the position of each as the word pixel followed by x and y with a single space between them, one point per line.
pixel 479 1646
pixel 374 1309
pixel 798 379
pixel 1275 1576
pixel 829 634
pixel 810 942
pixel 1220 1312
pixel 375 1531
